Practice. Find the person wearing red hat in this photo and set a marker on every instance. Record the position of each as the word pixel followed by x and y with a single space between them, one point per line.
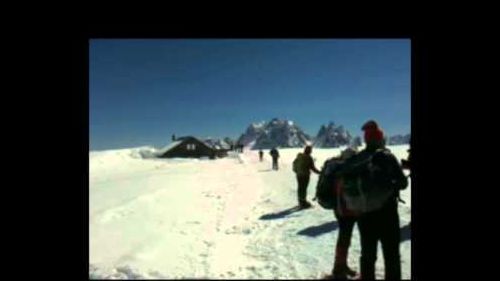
pixel 380 221
pixel 373 135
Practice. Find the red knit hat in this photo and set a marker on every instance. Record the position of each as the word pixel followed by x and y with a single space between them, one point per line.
pixel 371 124
pixel 372 132
pixel 374 135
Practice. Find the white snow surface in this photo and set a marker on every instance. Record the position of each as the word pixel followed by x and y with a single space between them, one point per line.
pixel 217 219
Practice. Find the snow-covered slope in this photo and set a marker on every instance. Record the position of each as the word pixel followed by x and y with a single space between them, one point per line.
pixel 224 218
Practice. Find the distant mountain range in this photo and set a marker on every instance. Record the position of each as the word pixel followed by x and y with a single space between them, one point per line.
pixel 275 133
pixel 286 133
pixel 332 136
pixel 399 139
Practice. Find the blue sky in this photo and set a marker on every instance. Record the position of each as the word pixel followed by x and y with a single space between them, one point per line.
pixel 143 91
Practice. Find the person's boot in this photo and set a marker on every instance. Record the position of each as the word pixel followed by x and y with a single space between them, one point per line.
pixel 304 204
pixel 338 273
pixel 342 272
pixel 350 272
pixel 340 268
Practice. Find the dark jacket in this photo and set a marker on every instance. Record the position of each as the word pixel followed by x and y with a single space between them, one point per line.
pixel 306 165
pixel 386 173
pixel 274 153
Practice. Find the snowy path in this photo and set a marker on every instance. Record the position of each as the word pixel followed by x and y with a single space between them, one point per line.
pixel 209 219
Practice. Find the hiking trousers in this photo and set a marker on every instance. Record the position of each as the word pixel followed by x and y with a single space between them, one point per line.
pixel 346 226
pixel 303 182
pixel 380 225
pixel 275 163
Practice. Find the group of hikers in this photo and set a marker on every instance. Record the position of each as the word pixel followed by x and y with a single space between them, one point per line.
pixel 274 155
pixel 360 187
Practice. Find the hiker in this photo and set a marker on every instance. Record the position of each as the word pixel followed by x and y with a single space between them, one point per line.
pixel 330 196
pixel 261 155
pixel 372 180
pixel 302 166
pixel 406 165
pixel 275 155
pixel 346 221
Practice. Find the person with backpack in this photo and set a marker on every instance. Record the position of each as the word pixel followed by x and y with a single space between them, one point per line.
pixel 302 166
pixel 346 220
pixel 371 181
pixel 261 155
pixel 329 193
pixel 275 155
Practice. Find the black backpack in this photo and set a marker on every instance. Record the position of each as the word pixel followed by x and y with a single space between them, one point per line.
pixel 325 188
pixel 371 179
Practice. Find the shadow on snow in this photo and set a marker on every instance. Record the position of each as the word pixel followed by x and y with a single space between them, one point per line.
pixel 314 231
pixel 279 215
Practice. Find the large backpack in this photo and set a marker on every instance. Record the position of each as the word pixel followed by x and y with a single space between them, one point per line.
pixel 326 187
pixel 300 164
pixel 370 179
